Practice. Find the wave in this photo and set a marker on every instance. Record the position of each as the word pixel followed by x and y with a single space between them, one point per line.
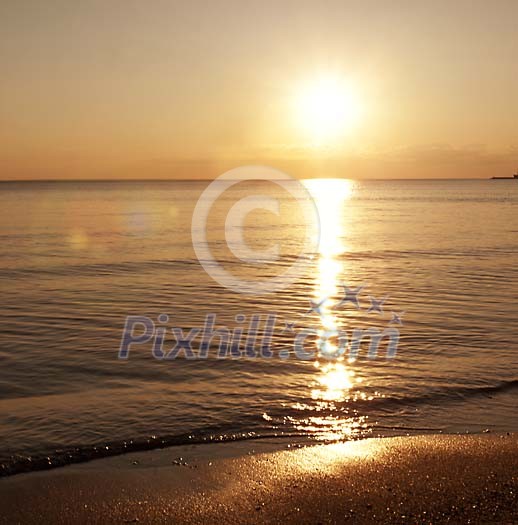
pixel 17 464
pixel 443 395
pixel 154 265
pixel 59 458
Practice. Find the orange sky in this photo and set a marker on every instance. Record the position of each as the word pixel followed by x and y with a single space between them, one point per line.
pixel 167 89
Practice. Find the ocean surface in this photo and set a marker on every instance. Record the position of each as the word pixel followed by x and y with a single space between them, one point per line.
pixel 77 258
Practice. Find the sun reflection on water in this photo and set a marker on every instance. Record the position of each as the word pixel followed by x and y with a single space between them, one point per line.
pixel 330 196
pixel 335 382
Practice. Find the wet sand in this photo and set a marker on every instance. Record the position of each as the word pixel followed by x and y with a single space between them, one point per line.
pixel 426 479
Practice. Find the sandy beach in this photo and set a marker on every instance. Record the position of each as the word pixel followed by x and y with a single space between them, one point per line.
pixel 424 479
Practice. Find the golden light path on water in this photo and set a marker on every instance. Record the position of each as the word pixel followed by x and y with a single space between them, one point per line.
pixel 335 378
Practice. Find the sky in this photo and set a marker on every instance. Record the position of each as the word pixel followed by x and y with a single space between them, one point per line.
pixel 168 89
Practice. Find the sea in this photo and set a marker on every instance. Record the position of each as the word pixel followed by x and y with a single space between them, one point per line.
pixel 133 318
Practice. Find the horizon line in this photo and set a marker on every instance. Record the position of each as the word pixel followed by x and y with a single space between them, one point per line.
pixel 6 181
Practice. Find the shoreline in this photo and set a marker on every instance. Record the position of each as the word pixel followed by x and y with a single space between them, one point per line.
pixel 77 456
pixel 411 479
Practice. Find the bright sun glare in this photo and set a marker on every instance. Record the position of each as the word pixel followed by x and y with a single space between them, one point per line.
pixel 327 108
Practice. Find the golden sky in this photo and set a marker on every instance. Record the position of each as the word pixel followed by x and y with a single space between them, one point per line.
pixel 178 89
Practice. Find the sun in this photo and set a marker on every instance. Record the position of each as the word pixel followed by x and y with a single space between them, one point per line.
pixel 327 108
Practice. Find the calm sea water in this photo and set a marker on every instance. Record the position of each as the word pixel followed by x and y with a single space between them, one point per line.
pixel 77 258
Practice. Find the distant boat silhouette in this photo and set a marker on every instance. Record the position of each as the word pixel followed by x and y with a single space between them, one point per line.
pixel 514 177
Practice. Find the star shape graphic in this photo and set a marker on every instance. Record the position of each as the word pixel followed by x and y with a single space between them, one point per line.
pixel 350 295
pixel 316 306
pixel 396 318
pixel 376 305
pixel 290 327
